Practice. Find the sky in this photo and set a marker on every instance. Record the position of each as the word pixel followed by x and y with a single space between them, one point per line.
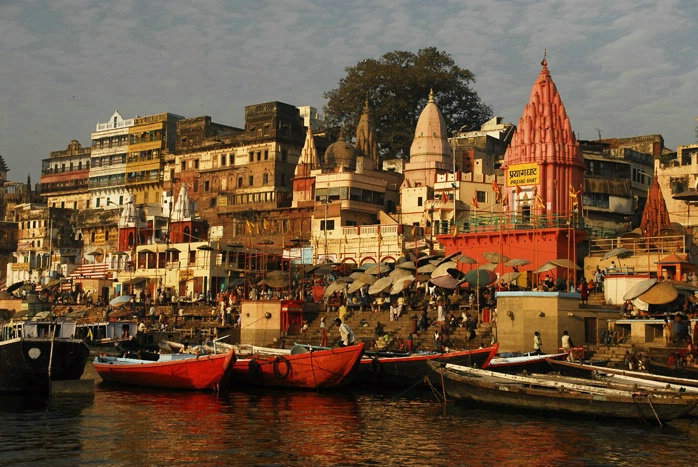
pixel 623 68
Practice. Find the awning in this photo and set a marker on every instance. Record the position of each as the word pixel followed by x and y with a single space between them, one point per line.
pixel 135 281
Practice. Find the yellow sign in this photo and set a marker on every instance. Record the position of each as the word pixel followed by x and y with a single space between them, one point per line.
pixel 186 275
pixel 20 266
pixel 523 174
pixel 100 238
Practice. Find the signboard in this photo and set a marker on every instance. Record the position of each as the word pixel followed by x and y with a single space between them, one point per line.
pixel 100 238
pixel 20 266
pixel 186 274
pixel 523 174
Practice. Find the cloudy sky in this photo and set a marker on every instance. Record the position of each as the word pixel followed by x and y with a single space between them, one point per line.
pixel 624 68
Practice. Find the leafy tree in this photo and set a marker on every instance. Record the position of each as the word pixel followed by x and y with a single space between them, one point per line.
pixel 397 86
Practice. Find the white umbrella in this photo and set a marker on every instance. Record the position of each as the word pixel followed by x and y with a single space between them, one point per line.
pixel 356 285
pixel 401 284
pixel 639 288
pixel 509 277
pixel 377 269
pixel 443 268
pixel 335 287
pixel 363 277
pixel 120 300
pixel 516 262
pixel 399 272
pixel 381 285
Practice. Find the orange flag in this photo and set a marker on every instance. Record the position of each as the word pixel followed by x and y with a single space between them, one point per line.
pixel 475 203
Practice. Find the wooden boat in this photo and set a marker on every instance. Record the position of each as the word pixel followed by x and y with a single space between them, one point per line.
pixel 676 371
pixel 29 364
pixel 32 354
pixel 529 363
pixel 170 371
pixel 300 367
pixel 408 369
pixel 562 397
pixel 587 371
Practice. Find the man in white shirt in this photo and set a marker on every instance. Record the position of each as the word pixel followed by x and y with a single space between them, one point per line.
pixel 346 335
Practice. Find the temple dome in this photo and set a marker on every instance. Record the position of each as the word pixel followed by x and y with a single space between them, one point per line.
pixel 430 137
pixel 340 155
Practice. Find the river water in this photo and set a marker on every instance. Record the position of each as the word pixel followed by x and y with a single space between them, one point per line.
pixel 364 427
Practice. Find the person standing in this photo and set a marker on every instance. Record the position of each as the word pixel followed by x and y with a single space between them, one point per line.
pixel 537 344
pixel 323 332
pixel 346 335
pixel 567 345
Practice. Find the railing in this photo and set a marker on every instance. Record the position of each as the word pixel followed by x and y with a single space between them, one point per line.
pixel 494 222
pixel 639 245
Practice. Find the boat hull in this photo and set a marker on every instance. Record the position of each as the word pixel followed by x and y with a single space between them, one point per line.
pixel 673 372
pixel 563 399
pixel 414 368
pixel 24 363
pixel 327 368
pixel 529 364
pixel 175 372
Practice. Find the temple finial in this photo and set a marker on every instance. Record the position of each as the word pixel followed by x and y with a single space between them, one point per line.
pixel 431 94
pixel 544 62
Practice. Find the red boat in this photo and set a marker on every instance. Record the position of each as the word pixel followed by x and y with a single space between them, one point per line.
pixel 302 367
pixel 406 369
pixel 170 371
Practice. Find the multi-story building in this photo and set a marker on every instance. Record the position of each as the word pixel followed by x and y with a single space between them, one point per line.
pixel 46 243
pixel 107 185
pixel 616 183
pixel 678 179
pixel 65 177
pixel 237 177
pixel 481 151
pixel 148 140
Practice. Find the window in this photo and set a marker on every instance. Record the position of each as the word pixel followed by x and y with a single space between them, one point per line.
pixel 239 182
pixel 259 156
pixel 481 196
pixel 196 186
pixel 420 201
pixel 223 159
pixel 196 163
pixel 265 178
pixel 251 181
pixel 266 154
pixel 97 202
pixel 184 166
pixel 251 156
pixel 330 224
pixel 230 159
pixel 206 185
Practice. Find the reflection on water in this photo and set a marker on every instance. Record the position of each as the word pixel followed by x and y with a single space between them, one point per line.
pixel 352 427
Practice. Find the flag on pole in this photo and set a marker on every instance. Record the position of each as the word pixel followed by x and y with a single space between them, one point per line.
pixel 267 226
pixel 444 197
pixel 540 202
pixel 248 227
pixel 414 230
pixel 505 202
pixel 497 191
pixel 573 197
pixel 475 203
pixel 455 230
pixel 518 189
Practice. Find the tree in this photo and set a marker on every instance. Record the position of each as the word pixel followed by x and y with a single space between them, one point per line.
pixel 397 86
